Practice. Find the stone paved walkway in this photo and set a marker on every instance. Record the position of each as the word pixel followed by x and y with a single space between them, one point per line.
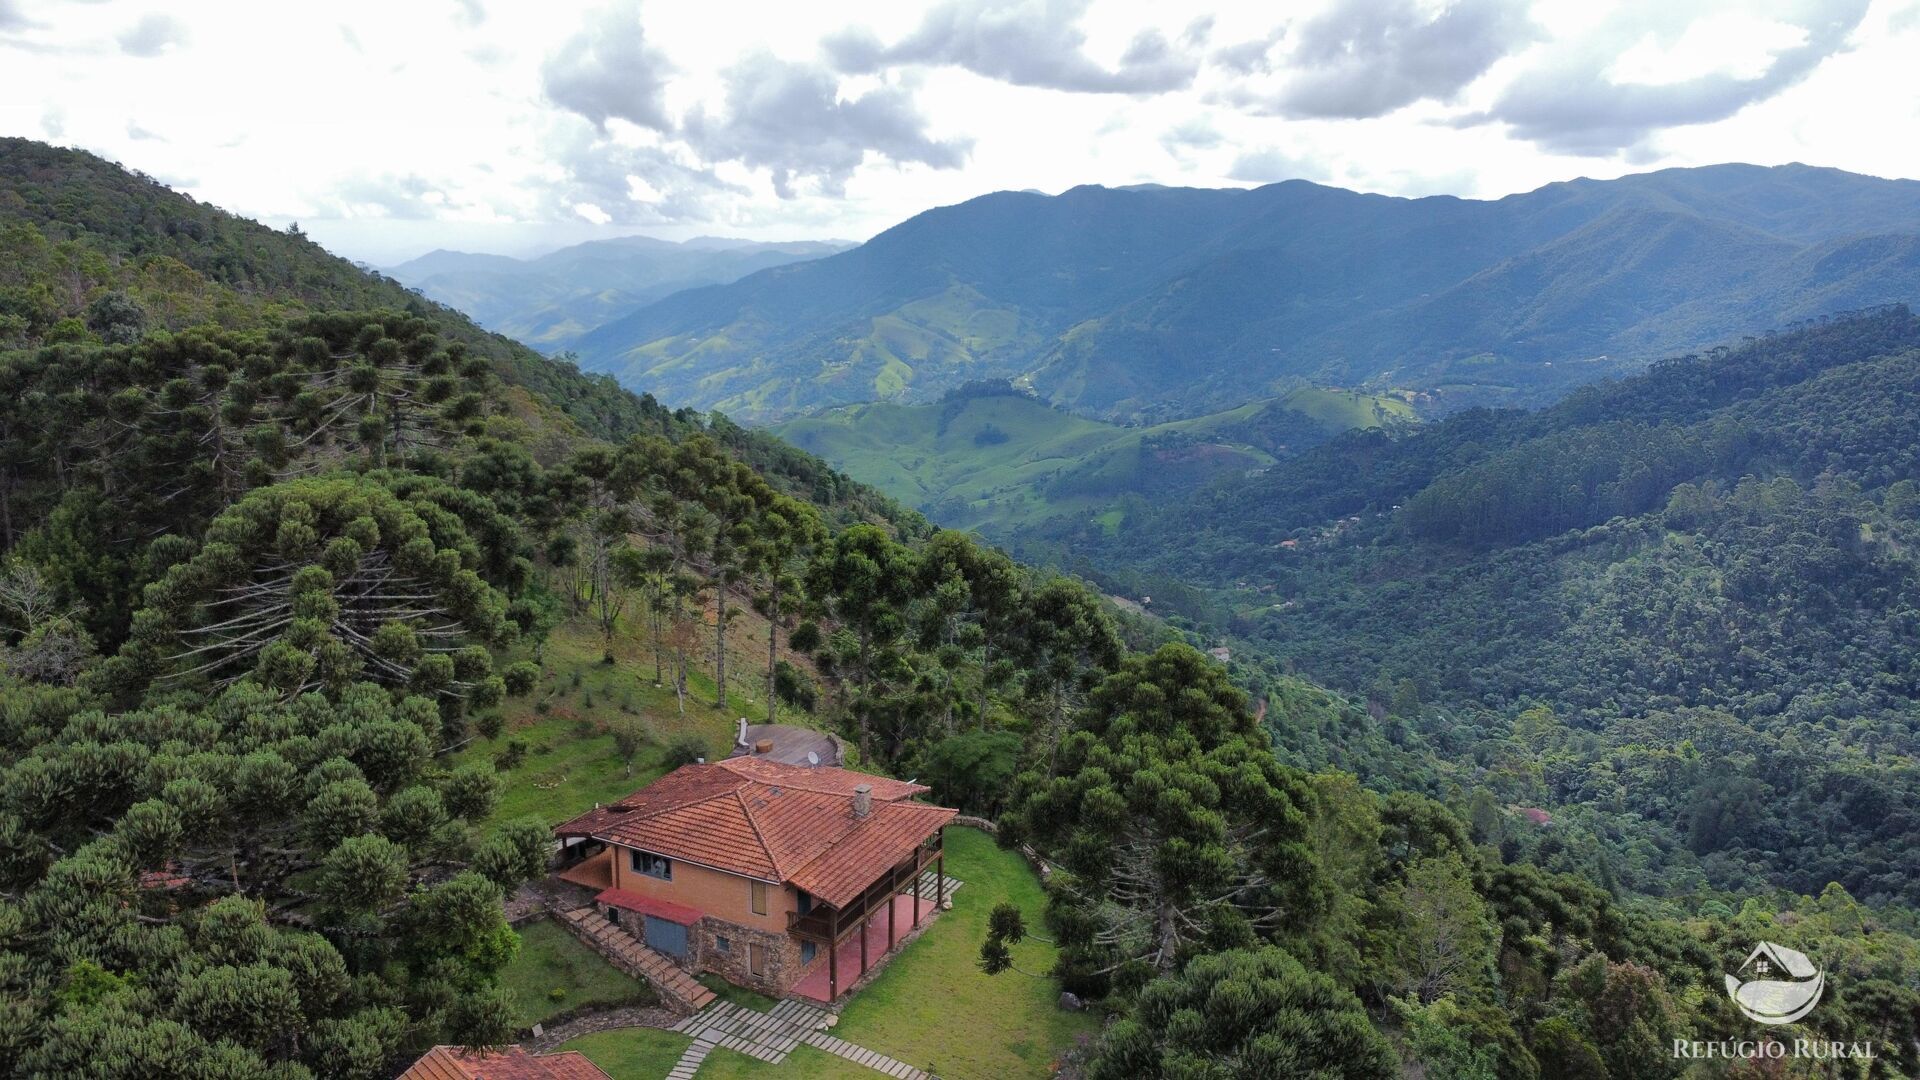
pixel 770 1036
pixel 928 885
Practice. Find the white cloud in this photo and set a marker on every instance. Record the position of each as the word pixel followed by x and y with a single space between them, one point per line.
pixel 154 34
pixel 387 129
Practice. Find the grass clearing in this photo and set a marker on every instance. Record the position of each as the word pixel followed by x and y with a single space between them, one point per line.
pixel 633 1053
pixel 1000 462
pixel 571 763
pixel 934 1009
pixel 550 959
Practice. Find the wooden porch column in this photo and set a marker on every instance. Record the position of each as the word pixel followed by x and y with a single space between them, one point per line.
pixel 863 942
pixel 833 956
pixel 940 873
pixel 891 893
pixel 916 893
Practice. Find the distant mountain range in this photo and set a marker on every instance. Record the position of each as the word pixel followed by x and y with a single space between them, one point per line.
pixel 549 301
pixel 1163 302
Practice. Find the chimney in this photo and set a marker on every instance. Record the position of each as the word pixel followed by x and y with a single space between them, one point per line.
pixel 862 800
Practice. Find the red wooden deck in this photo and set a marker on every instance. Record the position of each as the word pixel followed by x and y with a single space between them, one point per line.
pixel 814 984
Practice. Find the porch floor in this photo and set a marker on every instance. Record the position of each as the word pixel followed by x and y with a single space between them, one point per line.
pixel 814 986
pixel 594 871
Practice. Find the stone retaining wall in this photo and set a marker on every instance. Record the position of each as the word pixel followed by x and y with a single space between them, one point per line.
pixel 1040 865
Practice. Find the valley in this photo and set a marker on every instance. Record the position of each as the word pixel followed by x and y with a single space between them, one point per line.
pixel 331 602
pixel 992 459
pixel 551 301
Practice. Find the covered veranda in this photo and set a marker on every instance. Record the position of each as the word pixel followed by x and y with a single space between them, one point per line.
pixel 864 932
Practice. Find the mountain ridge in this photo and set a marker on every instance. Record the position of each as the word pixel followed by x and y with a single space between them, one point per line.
pixel 1159 302
pixel 548 300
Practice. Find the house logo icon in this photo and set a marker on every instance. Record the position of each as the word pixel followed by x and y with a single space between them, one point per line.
pixel 1780 985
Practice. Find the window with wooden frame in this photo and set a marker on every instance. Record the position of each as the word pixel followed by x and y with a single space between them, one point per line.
pixel 757 892
pixel 757 959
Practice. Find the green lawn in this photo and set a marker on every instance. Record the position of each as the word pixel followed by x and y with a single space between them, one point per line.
pixel 551 958
pixel 648 1054
pixel 739 995
pixel 805 1063
pixel 632 1053
pixel 931 1007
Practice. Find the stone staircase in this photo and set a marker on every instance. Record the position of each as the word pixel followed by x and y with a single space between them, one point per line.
pixel 678 989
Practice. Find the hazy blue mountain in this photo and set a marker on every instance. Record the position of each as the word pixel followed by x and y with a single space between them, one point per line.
pixel 1156 302
pixel 549 301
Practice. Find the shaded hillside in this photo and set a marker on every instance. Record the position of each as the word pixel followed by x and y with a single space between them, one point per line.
pixel 997 460
pixel 1164 302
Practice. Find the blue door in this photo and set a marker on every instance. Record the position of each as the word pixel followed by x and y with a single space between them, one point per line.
pixel 666 937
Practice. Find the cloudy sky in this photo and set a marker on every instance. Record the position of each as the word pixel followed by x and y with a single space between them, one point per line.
pixel 390 127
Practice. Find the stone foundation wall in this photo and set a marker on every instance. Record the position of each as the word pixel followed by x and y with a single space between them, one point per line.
pixel 783 955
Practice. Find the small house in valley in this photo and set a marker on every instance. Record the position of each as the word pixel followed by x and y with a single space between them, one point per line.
pixel 787 879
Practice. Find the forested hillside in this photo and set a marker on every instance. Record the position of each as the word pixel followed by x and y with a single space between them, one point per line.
pixel 282 548
pixel 1678 608
pixel 1155 303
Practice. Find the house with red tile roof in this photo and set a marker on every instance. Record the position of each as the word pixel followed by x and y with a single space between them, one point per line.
pixel 765 872
pixel 506 1063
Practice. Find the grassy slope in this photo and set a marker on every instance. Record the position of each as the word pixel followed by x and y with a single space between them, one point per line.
pixel 930 1007
pixel 550 959
pixel 956 469
pixel 571 763
pixel 933 1008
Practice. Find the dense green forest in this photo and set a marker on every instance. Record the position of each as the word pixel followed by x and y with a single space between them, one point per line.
pixel 1677 610
pixel 279 534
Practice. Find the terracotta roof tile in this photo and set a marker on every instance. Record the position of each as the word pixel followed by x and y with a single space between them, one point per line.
pixel 507 1063
pixel 888 835
pixel 767 820
pixel 832 780
pixel 647 905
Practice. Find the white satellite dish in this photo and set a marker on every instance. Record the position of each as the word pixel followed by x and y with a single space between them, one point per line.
pixel 813 758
